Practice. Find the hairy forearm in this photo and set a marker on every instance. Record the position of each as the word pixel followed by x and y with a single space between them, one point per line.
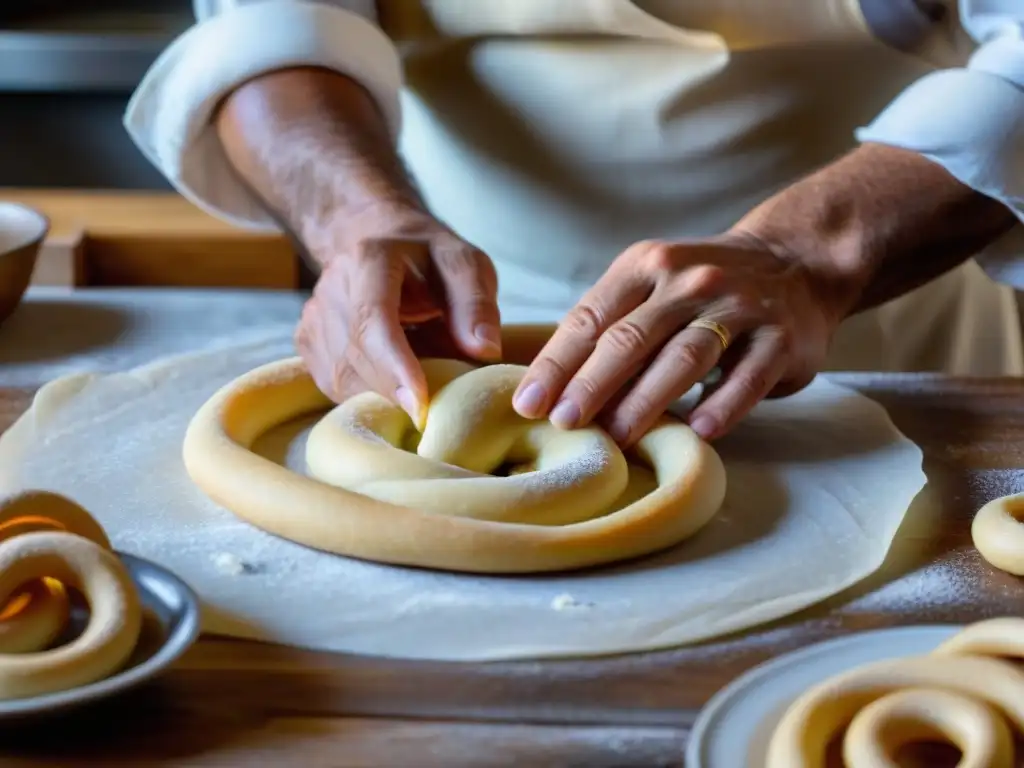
pixel 314 147
pixel 878 223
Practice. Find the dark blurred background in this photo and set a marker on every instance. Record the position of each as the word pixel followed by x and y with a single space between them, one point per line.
pixel 67 70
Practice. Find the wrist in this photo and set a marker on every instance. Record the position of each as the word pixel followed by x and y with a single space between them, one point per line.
pixel 826 242
pixel 876 224
pixel 341 187
pixel 344 227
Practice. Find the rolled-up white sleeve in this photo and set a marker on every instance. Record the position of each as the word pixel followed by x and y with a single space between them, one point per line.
pixel 169 115
pixel 970 120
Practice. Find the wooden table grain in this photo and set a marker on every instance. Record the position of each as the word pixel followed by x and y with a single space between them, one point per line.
pixel 233 703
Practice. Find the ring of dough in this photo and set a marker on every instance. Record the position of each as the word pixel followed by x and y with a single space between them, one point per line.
pixel 36 616
pixel 998 533
pixel 438 508
pixel 963 693
pixel 115 614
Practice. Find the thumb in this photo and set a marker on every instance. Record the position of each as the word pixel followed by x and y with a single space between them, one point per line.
pixel 471 292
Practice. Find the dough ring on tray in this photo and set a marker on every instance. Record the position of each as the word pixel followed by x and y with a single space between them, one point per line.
pixel 38 612
pixel 115 614
pixel 967 693
pixel 371 497
pixel 998 533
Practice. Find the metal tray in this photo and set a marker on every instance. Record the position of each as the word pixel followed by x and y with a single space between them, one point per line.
pixel 171 624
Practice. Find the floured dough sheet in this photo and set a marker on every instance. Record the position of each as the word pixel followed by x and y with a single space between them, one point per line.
pixel 818 484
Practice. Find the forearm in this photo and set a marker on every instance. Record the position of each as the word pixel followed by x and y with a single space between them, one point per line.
pixel 314 147
pixel 878 223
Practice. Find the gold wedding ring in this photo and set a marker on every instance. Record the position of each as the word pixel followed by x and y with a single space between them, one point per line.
pixel 716 328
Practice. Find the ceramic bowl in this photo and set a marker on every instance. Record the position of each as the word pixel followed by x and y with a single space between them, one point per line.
pixel 22 232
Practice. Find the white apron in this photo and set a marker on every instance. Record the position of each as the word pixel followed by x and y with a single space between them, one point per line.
pixel 555 133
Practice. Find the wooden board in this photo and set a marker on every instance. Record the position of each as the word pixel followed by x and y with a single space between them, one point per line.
pixel 151 239
pixel 238 703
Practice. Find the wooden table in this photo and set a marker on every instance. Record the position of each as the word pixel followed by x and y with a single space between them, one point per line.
pixel 231 703
pixel 157 239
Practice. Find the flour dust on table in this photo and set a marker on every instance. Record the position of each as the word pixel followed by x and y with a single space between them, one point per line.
pixel 817 486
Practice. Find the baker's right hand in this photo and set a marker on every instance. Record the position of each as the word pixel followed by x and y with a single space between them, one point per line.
pixel 384 271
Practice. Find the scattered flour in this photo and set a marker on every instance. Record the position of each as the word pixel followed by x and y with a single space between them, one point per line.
pixel 991 484
pixel 573 472
pixel 231 564
pixel 941 585
pixel 567 602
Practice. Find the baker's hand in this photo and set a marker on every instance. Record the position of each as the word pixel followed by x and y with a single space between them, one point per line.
pixel 385 271
pixel 628 349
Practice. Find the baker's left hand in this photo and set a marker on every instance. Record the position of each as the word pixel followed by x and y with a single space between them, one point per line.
pixel 630 348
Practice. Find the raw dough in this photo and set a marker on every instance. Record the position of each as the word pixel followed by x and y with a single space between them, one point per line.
pixel 439 508
pixel 49 542
pixel 115 614
pixel 818 485
pixel 962 693
pixel 998 533
pixel 35 617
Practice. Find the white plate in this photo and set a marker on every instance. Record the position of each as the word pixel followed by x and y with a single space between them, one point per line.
pixel 733 730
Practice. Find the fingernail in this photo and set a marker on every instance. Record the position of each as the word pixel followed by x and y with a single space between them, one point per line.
pixel 489 336
pixel 704 426
pixel 566 415
pixel 408 403
pixel 530 401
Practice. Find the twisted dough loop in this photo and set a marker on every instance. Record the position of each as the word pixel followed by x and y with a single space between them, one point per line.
pixel 471 430
pixel 35 617
pixel 38 612
pixel 46 542
pixel 963 693
pixel 998 533
pixel 115 619
pixel 439 507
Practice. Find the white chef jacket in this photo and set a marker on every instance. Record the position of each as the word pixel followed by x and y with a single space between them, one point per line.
pixel 555 133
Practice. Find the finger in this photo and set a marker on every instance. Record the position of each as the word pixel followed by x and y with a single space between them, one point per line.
pixel 332 374
pixel 683 362
pixel 306 344
pixel 471 290
pixel 378 349
pixel 742 387
pixel 623 350
pixel 613 297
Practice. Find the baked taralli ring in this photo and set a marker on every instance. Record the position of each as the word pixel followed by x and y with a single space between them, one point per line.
pixel 966 693
pixel 36 616
pixel 115 619
pixel 438 507
pixel 998 533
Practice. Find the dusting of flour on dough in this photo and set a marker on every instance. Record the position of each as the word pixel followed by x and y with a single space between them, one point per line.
pixel 566 475
pixel 357 428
